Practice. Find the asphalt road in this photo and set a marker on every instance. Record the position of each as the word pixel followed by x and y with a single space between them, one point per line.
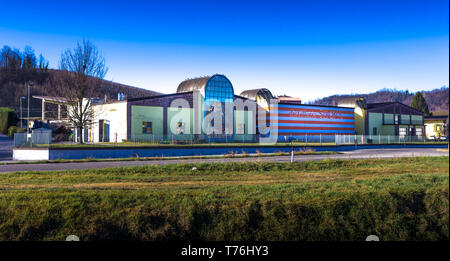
pixel 357 154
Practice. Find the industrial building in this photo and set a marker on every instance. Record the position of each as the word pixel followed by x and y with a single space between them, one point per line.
pixel 386 119
pixel 153 118
pixel 191 114
pixel 156 118
pixel 436 127
pixel 150 118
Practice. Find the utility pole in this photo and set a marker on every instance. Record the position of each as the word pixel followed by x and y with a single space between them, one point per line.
pixel 28 108
pixel 292 152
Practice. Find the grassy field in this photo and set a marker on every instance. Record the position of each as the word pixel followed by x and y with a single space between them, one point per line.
pixel 396 199
pixel 229 155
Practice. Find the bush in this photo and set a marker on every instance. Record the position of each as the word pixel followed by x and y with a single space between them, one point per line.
pixel 61 134
pixel 6 119
pixel 14 129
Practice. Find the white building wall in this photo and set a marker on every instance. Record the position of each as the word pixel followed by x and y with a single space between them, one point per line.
pixel 116 114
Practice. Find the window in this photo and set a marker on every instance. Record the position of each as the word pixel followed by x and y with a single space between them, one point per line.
pixel 240 128
pixel 180 127
pixel 147 127
pixel 396 119
pixel 218 90
pixel 419 132
pixel 402 132
pixel 375 131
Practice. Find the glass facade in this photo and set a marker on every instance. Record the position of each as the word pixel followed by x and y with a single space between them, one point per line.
pixel 218 89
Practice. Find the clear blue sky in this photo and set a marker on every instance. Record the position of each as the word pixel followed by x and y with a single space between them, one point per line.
pixel 307 49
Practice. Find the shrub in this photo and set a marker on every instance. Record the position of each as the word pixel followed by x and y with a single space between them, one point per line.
pixel 14 129
pixel 6 119
pixel 11 131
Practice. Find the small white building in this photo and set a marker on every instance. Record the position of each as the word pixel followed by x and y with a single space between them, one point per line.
pixel 109 122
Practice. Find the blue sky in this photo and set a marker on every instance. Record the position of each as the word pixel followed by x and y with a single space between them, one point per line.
pixel 307 49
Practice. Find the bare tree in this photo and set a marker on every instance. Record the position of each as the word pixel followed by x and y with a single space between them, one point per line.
pixel 82 71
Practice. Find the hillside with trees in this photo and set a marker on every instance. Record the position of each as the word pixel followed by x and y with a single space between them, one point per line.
pixel 19 67
pixel 437 99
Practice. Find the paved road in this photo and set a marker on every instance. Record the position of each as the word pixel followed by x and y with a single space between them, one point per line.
pixel 6 147
pixel 358 154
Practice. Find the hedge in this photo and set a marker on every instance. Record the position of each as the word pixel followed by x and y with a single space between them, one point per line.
pixel 14 129
pixel 6 119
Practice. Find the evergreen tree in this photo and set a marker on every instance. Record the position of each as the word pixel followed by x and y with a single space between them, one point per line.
pixel 419 103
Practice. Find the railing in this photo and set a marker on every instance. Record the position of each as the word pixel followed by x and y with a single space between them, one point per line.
pixel 306 139
pixel 45 140
pixel 32 139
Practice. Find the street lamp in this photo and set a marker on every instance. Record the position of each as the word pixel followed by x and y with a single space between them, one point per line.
pixel 21 118
pixel 30 84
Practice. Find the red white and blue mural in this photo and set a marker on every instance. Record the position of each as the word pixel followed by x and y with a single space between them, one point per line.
pixel 299 121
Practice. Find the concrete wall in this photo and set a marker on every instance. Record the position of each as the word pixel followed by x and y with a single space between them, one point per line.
pixel 52 154
pixel 387 130
pixel 360 120
pixel 30 154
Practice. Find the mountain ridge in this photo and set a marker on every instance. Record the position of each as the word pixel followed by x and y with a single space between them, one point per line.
pixel 437 99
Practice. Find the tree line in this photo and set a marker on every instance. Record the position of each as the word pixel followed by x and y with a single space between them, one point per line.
pixel 15 60
pixel 21 66
pixel 429 102
pixel 78 80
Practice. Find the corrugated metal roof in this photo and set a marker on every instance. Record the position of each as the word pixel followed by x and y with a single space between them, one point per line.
pixel 252 94
pixel 193 84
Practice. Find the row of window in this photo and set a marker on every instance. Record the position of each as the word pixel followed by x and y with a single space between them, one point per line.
pixel 403 120
pixel 402 132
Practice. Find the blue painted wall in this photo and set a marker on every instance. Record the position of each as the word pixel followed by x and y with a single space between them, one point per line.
pixel 198 151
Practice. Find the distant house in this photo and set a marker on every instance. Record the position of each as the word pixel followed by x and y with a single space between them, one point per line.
pixel 289 99
pixel 436 127
pixel 52 109
pixel 56 111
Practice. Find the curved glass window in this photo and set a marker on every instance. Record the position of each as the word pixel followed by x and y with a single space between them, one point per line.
pixel 219 88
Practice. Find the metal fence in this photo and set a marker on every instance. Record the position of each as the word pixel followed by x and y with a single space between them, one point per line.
pixel 32 139
pixel 306 139
pixel 45 139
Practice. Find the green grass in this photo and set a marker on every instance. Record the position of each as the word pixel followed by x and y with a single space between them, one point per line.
pixel 396 199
